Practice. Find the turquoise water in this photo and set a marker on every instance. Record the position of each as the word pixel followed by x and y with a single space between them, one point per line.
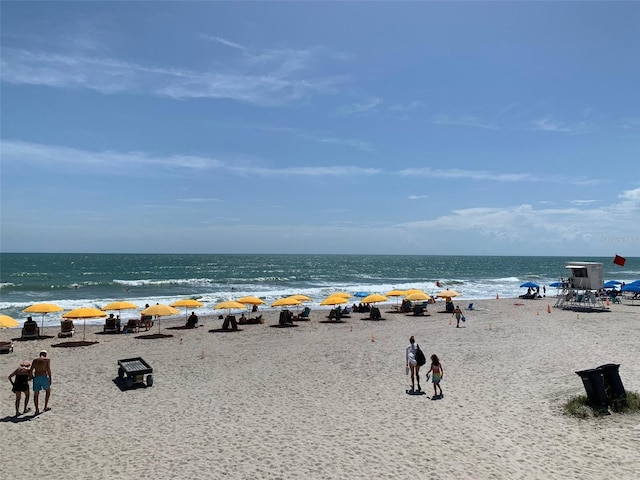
pixel 77 280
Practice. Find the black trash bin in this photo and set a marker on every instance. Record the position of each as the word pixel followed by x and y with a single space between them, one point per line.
pixel 593 382
pixel 613 386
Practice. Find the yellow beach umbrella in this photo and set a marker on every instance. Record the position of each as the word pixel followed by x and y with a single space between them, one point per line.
pixel 43 308
pixel 250 300
pixel 413 290
pixel 302 298
pixel 187 303
pixel 448 294
pixel 160 310
pixel 6 321
pixel 120 305
pixel 374 298
pixel 417 296
pixel 341 294
pixel 334 300
pixel 396 293
pixel 286 302
pixel 84 313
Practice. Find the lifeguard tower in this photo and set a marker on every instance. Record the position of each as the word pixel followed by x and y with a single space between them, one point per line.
pixel 581 290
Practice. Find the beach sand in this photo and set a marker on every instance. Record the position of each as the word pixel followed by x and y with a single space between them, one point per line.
pixel 324 401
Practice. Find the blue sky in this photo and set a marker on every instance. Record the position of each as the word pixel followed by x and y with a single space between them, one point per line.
pixel 504 128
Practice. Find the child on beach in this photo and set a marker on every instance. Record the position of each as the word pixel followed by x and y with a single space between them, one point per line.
pixel 436 375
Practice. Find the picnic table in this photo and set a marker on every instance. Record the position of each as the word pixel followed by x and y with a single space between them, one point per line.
pixel 133 371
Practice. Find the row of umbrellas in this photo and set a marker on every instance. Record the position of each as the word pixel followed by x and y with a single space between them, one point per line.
pixel 161 310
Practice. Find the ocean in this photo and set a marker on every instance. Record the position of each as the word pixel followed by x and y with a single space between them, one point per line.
pixel 81 280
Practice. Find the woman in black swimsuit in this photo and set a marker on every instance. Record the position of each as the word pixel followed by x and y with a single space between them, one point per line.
pixel 22 376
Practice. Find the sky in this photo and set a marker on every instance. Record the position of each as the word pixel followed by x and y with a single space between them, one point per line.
pixel 444 128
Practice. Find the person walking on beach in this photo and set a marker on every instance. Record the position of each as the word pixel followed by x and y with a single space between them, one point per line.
pixel 458 313
pixel 411 354
pixel 22 375
pixel 436 375
pixel 41 371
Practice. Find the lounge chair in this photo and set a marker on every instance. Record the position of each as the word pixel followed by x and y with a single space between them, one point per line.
pixel 470 307
pixel 30 330
pixel 304 315
pixel 132 326
pixel 6 347
pixel 230 323
pixel 66 329
pixel 286 318
pixel 111 325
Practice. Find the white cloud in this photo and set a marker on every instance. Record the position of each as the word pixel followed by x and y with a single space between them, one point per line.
pixel 548 124
pixel 463 121
pixel 277 81
pixel 357 108
pixel 631 195
pixel 417 197
pixel 406 107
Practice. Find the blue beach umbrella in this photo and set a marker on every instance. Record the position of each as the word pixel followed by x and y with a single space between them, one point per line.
pixel 361 294
pixel 530 285
pixel 556 284
pixel 632 287
pixel 611 284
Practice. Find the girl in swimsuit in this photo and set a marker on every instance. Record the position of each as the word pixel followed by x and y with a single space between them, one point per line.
pixel 22 376
pixel 436 374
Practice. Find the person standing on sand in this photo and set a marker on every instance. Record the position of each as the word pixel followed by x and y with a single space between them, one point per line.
pixel 41 371
pixel 412 363
pixel 458 313
pixel 22 376
pixel 436 375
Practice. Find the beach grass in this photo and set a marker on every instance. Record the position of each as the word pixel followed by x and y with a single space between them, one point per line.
pixel 578 406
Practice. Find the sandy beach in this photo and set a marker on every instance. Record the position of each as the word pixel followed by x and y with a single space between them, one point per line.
pixel 324 401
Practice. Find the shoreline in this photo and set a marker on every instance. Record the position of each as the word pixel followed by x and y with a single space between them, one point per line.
pixel 325 401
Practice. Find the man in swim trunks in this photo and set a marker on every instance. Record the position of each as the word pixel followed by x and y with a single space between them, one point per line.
pixel 41 370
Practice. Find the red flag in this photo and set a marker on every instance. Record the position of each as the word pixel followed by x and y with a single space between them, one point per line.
pixel 619 260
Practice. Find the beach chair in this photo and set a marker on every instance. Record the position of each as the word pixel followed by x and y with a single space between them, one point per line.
pixel 470 307
pixel 132 326
pixel 230 323
pixel 111 325
pixel 30 330
pixel 6 347
pixel 615 299
pixel 67 329
pixel 304 315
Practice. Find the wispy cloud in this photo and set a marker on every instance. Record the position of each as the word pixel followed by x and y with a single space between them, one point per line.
pixel 406 107
pixel 198 200
pixel 146 164
pixel 482 175
pixel 268 79
pixel 463 121
pixel 361 107
pixel 583 202
pixel 322 138
pixel 548 124
pixel 222 41
pixel 417 197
